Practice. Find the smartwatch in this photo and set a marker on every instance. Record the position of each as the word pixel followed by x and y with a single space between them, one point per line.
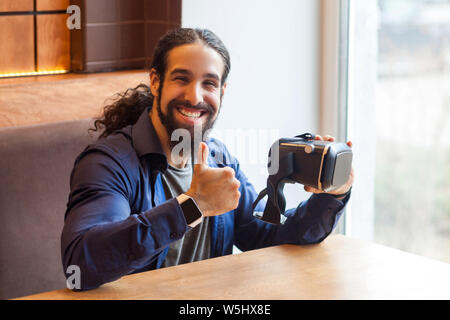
pixel 191 212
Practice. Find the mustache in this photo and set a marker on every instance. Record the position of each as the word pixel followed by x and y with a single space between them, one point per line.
pixel 201 106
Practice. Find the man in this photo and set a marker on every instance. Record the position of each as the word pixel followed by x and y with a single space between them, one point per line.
pixel 135 205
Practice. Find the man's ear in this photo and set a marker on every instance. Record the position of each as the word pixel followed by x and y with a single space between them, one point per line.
pixel 154 82
pixel 222 91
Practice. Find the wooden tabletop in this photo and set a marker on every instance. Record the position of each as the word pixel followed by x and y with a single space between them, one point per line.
pixel 338 268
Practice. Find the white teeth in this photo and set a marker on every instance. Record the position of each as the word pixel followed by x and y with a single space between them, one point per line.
pixel 190 114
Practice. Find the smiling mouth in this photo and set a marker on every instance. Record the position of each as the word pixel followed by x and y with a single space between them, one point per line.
pixel 191 112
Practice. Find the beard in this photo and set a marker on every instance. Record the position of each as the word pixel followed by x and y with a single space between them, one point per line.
pixel 197 134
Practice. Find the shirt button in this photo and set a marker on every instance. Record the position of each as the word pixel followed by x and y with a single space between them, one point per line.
pixel 173 235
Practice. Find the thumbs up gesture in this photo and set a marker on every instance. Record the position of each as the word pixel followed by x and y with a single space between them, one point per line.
pixel 215 190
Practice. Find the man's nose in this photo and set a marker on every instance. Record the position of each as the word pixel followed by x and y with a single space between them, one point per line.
pixel 194 94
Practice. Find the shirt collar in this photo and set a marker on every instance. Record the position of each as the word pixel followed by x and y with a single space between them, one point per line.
pixel 146 142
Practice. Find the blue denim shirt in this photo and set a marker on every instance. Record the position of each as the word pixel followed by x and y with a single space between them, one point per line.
pixel 118 220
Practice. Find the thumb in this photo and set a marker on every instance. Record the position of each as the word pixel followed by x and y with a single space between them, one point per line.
pixel 202 155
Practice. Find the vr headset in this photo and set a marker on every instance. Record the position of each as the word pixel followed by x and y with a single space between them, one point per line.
pixel 323 165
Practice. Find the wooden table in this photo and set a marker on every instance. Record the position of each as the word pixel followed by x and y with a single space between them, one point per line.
pixel 338 268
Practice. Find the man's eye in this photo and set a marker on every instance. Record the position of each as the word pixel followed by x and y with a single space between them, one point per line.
pixel 211 84
pixel 181 79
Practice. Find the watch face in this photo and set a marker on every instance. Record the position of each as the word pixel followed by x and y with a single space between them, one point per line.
pixel 191 211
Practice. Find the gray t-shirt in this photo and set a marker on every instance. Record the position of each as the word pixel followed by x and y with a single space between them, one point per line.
pixel 196 243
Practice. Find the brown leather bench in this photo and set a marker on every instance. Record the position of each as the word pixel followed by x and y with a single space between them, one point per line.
pixel 35 166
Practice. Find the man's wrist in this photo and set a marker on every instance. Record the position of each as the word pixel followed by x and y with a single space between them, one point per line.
pixel 341 196
pixel 192 213
pixel 201 205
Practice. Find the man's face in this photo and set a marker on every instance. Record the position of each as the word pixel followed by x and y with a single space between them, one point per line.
pixel 191 93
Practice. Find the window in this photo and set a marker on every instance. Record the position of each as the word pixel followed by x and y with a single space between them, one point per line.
pixel 399 121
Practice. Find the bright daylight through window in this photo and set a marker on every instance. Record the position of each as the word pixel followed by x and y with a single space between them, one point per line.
pixel 411 191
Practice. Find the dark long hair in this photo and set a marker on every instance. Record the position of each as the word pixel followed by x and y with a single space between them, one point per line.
pixel 129 105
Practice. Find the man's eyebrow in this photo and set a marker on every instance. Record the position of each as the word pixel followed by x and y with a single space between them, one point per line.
pixel 212 75
pixel 187 72
pixel 179 70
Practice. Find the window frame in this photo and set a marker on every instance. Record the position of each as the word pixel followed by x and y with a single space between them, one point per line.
pixel 333 98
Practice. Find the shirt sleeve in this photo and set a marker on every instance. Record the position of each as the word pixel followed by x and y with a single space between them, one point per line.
pixel 311 222
pixel 101 235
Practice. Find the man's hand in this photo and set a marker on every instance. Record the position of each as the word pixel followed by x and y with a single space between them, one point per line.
pixel 343 189
pixel 215 190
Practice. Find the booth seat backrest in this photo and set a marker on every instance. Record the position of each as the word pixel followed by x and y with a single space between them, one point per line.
pixel 35 166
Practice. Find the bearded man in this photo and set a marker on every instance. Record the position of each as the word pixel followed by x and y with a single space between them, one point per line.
pixel 135 205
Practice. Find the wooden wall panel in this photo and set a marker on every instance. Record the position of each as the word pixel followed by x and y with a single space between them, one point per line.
pixel 53 42
pixel 16 44
pixel 16 5
pixel 46 5
pixel 120 34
